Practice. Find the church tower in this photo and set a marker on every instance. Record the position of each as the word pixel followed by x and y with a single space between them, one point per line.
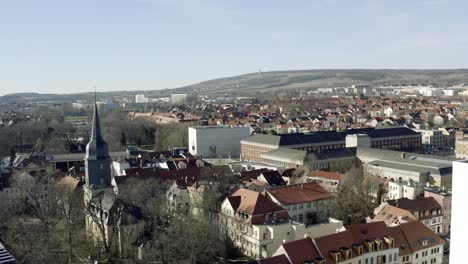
pixel 97 160
pixel 99 195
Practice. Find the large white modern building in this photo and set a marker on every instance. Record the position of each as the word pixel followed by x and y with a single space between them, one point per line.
pixel 140 98
pixel 459 215
pixel 217 141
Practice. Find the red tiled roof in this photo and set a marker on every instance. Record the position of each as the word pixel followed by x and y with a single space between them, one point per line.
pixel 373 230
pixel 420 205
pixel 256 206
pixel 328 175
pixel 333 242
pixel 409 237
pixel 299 193
pixel 280 259
pixel 301 250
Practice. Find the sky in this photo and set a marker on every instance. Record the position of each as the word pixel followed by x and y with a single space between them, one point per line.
pixel 70 46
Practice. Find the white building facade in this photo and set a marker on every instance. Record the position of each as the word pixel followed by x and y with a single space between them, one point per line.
pixel 217 141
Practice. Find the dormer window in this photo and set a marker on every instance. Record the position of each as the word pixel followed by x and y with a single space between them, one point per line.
pixel 346 252
pixel 369 245
pixel 358 248
pixel 390 242
pixel 336 256
pixel 378 244
pixel 424 243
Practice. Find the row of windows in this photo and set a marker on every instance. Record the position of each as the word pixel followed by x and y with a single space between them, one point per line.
pixel 425 253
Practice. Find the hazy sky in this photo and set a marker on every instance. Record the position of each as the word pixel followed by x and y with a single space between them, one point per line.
pixel 65 46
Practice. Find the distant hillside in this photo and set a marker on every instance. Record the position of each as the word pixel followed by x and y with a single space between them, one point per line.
pixel 308 79
pixel 267 82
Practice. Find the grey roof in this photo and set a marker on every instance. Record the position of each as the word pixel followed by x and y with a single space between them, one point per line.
pixel 264 139
pixel 369 154
pixel 334 153
pixel 414 165
pixel 97 148
pixel 285 154
pixel 328 136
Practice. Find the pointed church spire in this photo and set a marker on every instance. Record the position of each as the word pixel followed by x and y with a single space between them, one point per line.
pixel 97 147
pixel 97 160
pixel 96 130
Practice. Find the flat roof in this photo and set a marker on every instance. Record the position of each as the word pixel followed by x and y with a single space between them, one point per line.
pixel 414 165
pixel 328 136
pixel 285 154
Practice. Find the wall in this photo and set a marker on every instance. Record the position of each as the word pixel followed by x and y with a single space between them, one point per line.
pixel 217 141
pixel 459 214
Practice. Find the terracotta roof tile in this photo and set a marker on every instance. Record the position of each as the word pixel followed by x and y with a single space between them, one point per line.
pixel 299 193
pixel 301 250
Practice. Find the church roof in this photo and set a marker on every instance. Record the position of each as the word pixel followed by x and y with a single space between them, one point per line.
pixel 97 148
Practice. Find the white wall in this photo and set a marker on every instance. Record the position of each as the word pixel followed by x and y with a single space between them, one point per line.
pixel 459 227
pixel 217 141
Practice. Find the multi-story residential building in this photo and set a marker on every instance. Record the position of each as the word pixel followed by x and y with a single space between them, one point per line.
pixel 399 138
pixel 405 189
pixel 426 210
pixel 461 149
pixel 307 203
pixel 362 243
pixel 259 227
pixel 418 170
pixel 178 198
pixel 432 138
pixel 372 243
pixel 217 141
pixel 417 244
pixel 449 134
pixel 439 120
pixel 444 199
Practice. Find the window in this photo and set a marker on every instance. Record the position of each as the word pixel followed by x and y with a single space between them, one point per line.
pixel 301 218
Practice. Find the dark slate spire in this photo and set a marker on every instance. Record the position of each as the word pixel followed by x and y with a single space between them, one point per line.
pixel 97 160
pixel 97 147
